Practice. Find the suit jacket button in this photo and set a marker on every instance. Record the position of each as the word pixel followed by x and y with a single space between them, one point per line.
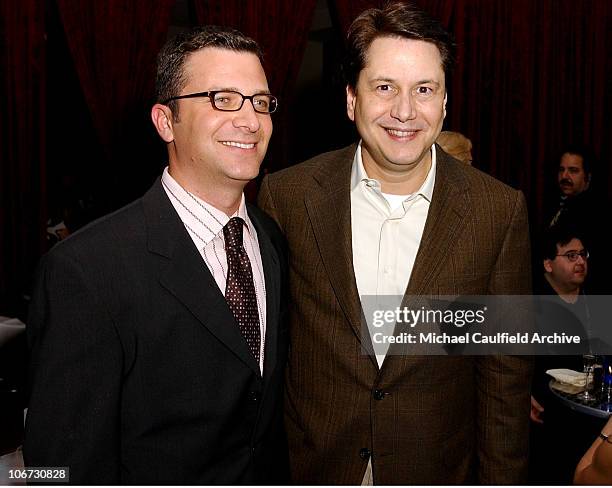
pixel 254 396
pixel 364 453
pixel 379 394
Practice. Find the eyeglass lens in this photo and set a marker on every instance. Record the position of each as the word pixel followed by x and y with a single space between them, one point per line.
pixel 230 100
pixel 573 256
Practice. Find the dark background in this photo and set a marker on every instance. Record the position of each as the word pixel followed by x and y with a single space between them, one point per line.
pixel 77 86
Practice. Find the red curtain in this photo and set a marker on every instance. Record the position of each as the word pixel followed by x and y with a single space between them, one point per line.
pixel 281 28
pixel 114 44
pixel 530 77
pixel 22 148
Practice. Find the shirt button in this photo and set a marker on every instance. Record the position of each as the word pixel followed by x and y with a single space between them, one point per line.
pixel 364 453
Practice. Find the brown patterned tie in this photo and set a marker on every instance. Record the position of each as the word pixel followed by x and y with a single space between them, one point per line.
pixel 240 290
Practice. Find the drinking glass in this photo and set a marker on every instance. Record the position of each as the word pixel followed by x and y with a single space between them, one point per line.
pixel 588 364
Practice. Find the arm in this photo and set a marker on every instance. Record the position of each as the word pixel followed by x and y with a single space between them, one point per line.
pixel 504 382
pixel 75 377
pixel 595 467
pixel 536 411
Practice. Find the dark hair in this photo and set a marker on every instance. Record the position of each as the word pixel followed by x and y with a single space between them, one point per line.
pixel 170 77
pixel 558 235
pixel 584 153
pixel 395 19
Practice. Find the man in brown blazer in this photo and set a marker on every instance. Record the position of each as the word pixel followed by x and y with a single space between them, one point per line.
pixel 395 214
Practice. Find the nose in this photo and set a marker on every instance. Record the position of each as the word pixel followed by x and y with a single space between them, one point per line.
pixel 247 117
pixel 403 107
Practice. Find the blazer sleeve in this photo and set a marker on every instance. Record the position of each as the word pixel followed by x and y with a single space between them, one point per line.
pixel 75 376
pixel 504 381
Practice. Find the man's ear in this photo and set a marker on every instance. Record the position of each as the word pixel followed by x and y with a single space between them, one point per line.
pixel 548 266
pixel 350 102
pixel 161 116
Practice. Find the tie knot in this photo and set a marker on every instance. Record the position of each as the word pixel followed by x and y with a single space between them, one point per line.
pixel 232 232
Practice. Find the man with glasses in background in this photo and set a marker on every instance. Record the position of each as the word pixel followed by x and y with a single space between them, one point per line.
pixel 578 204
pixel 158 347
pixel 556 441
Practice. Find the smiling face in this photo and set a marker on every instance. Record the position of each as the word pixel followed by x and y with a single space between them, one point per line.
pixel 398 104
pixel 566 275
pixel 572 178
pixel 212 146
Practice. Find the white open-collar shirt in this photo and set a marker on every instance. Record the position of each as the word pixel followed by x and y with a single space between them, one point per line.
pixel 386 232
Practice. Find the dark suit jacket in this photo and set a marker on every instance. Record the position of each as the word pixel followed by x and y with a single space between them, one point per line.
pixel 140 373
pixel 422 420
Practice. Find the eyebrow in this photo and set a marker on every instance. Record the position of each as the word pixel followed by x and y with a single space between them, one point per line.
pixel 391 80
pixel 386 80
pixel 264 91
pixel 422 82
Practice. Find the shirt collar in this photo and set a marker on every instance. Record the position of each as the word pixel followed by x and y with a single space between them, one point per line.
pixel 195 212
pixel 358 174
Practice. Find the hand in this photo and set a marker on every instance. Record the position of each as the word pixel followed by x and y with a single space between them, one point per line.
pixel 595 467
pixel 536 411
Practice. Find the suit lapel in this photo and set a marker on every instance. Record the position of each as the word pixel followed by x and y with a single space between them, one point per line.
pixel 328 204
pixel 183 273
pixel 272 273
pixel 447 213
pixel 329 209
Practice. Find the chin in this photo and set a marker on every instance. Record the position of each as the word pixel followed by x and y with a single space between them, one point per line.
pixel 409 159
pixel 244 177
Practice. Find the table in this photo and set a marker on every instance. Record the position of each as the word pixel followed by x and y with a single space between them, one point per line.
pixel 571 401
pixel 10 328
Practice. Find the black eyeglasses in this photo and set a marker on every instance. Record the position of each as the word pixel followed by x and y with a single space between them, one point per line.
pixel 572 256
pixel 232 101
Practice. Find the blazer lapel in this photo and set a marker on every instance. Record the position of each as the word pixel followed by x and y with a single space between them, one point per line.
pixel 329 209
pixel 447 212
pixel 183 273
pixel 272 273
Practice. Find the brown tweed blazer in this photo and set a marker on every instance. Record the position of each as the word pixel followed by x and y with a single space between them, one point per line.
pixel 439 420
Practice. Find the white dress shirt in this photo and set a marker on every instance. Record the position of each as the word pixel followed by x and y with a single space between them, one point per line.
pixel 205 223
pixel 386 232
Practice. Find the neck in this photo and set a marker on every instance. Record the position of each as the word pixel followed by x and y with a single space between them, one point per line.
pixel 227 202
pixel 225 198
pixel 566 293
pixel 404 182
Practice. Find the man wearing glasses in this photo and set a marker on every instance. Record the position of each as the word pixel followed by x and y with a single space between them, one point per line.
pixel 158 348
pixel 562 307
pixel 566 269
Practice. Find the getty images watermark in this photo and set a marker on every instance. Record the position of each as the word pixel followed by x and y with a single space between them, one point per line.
pixel 475 325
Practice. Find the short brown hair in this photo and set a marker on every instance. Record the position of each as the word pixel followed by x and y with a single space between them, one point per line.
pixel 170 77
pixel 395 19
